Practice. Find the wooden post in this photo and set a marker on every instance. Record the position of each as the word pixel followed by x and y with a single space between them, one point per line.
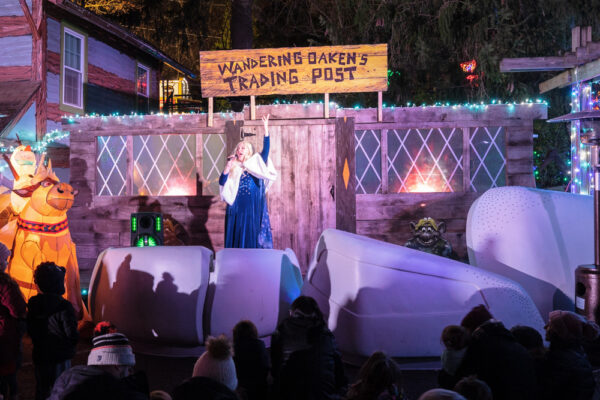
pixel 210 111
pixel 345 175
pixel 466 164
pixel 130 167
pixel 29 19
pixel 232 135
pixel 583 41
pixel 384 162
pixel 575 38
pixel 379 106
pixel 326 106
pixel 252 108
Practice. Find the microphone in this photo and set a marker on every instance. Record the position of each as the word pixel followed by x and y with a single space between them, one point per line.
pixel 231 157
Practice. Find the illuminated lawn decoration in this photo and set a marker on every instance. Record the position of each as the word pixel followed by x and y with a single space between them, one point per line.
pixel 43 235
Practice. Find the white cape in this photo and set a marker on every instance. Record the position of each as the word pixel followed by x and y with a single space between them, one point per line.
pixel 255 166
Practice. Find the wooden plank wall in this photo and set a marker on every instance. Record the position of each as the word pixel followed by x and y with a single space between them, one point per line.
pixel 387 216
pixel 300 203
pixel 16 42
pixel 303 149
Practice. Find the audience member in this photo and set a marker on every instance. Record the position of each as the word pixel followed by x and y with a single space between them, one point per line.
pixel 568 373
pixel 592 347
pixel 532 340
pixel 472 388
pixel 495 357
pixel 306 362
pixel 52 325
pixel 455 339
pixel 12 315
pixel 107 375
pixel 201 387
pixel 217 363
pixel 251 362
pixel 441 394
pixel 378 379
pixel 160 395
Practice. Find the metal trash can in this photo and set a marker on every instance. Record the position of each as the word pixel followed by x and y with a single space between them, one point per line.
pixel 587 290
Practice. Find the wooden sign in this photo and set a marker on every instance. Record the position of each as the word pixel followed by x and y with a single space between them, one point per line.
pixel 294 70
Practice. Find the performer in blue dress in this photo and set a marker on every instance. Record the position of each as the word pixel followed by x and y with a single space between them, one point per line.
pixel 244 183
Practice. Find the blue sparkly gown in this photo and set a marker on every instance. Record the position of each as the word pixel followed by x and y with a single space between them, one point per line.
pixel 247 219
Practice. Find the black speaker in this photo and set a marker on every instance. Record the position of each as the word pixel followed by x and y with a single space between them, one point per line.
pixel 147 229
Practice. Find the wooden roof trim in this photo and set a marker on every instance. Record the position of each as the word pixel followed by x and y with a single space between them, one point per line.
pixel 29 18
pixel 527 64
pixel 22 109
pixel 119 32
pixel 578 74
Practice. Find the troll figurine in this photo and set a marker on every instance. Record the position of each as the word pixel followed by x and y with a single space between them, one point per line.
pixel 428 237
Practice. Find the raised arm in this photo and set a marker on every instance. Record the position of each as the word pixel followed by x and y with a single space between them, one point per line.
pixel 266 141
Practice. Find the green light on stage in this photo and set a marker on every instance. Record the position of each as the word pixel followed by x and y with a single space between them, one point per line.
pixel 133 224
pixel 158 224
pixel 146 241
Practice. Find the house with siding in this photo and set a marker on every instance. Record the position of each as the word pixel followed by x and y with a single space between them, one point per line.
pixel 57 59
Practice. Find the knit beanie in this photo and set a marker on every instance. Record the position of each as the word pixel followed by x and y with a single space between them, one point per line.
pixel 111 349
pixel 474 318
pixel 217 362
pixel 441 394
pixel 568 326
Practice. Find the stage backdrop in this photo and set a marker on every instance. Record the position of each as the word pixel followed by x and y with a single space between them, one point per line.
pixel 348 172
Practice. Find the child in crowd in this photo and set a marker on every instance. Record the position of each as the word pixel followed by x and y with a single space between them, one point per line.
pixel 378 379
pixel 217 363
pixel 306 363
pixel 455 339
pixel 52 325
pixel 473 389
pixel 251 361
pixel 12 315
pixel 109 373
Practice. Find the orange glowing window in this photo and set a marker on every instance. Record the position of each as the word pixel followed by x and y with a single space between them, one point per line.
pixel 143 79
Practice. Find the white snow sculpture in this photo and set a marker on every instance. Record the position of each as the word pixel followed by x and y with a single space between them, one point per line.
pixel 380 296
pixel 154 295
pixel 534 237
pixel 254 284
pixel 166 299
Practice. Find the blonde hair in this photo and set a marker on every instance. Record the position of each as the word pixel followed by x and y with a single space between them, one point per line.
pixel 248 145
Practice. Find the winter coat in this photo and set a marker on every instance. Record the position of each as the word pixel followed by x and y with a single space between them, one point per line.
pixel 252 367
pixel 92 383
pixel 52 325
pixel 305 359
pixel 496 358
pixel 12 308
pixel 567 373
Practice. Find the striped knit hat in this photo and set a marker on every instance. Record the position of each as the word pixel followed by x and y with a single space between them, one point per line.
pixel 111 349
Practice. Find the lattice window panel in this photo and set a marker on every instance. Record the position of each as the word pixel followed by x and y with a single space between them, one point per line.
pixel 164 165
pixel 213 162
pixel 425 160
pixel 488 161
pixel 111 166
pixel 368 161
